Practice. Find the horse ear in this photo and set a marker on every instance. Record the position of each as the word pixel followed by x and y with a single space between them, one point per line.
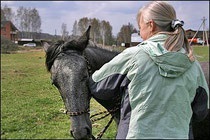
pixel 84 39
pixel 45 45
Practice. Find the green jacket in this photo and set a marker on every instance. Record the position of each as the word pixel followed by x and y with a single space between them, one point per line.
pixel 157 88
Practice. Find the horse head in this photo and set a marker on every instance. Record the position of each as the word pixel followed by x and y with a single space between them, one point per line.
pixel 69 73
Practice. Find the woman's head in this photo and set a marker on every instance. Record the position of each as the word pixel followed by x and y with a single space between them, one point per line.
pixel 160 12
pixel 159 17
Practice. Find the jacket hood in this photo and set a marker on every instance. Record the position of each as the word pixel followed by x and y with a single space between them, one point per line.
pixel 170 64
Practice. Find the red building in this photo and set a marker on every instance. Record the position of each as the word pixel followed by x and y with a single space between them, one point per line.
pixel 190 33
pixel 9 31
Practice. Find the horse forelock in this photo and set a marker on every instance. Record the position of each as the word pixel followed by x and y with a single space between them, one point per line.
pixel 52 52
pixel 55 49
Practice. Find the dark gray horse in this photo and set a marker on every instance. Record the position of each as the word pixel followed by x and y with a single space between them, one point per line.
pixel 70 64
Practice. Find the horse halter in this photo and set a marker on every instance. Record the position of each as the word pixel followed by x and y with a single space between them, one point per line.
pixel 70 113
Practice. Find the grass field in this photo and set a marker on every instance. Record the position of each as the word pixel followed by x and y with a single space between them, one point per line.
pixel 202 53
pixel 30 105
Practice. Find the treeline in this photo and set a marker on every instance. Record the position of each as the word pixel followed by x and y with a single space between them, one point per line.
pixel 25 19
pixel 101 31
pixel 28 21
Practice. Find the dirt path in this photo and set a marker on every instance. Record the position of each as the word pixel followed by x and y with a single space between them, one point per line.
pixel 29 50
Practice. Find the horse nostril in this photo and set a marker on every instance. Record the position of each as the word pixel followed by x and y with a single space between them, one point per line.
pixel 84 133
pixel 93 138
pixel 89 134
pixel 88 131
pixel 71 131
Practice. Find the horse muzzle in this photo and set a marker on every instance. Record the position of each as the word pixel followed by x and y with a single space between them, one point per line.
pixel 82 133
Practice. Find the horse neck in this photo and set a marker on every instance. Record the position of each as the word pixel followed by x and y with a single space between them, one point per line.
pixel 97 57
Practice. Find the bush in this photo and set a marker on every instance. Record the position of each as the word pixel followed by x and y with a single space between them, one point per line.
pixel 7 46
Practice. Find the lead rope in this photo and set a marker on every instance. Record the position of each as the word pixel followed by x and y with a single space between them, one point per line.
pixel 100 134
pixel 105 128
pixel 107 113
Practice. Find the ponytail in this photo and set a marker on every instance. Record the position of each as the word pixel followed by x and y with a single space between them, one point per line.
pixel 177 39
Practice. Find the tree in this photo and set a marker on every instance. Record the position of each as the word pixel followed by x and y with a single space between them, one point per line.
pixel 101 31
pixel 109 37
pixel 64 32
pixel 124 36
pixel 83 24
pixel 35 20
pixel 75 29
pixel 106 33
pixel 7 13
pixel 28 20
pixel 22 19
pixel 3 17
pixel 19 18
pixel 95 26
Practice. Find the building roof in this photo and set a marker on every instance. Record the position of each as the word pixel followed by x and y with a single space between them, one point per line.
pixel 26 39
pixel 3 23
pixel 190 30
pixel 199 33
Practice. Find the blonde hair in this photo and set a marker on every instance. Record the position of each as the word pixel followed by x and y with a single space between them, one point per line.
pixel 163 14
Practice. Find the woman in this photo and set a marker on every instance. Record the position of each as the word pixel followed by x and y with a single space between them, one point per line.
pixel 161 84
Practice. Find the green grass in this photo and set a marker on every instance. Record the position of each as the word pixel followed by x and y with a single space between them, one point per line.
pixel 201 53
pixel 30 104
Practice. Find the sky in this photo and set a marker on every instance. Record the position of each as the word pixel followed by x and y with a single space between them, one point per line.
pixel 118 13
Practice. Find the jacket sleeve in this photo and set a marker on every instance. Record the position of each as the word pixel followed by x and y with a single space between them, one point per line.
pixel 108 88
pixel 200 104
pixel 107 82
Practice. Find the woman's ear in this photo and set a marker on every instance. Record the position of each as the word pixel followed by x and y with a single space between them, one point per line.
pixel 152 25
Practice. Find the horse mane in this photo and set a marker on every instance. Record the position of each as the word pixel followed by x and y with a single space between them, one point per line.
pixel 52 52
pixel 60 46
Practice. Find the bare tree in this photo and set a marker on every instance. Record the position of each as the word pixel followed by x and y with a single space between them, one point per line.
pixel 95 33
pixel 19 18
pixel 64 32
pixel 83 24
pixel 101 31
pixel 3 17
pixel 28 21
pixel 7 13
pixel 35 21
pixel 106 32
pixel 109 37
pixel 22 19
pixel 75 29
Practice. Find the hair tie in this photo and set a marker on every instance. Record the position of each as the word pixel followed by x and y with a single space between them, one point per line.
pixel 176 23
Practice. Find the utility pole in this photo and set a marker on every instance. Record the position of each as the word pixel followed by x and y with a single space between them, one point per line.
pixel 205 37
pixel 204 31
pixel 55 34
